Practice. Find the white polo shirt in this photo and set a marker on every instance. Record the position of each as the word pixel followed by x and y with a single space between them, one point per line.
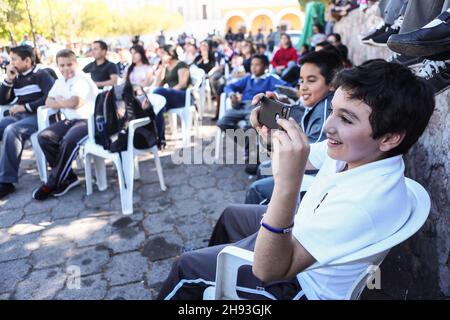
pixel 78 86
pixel 343 212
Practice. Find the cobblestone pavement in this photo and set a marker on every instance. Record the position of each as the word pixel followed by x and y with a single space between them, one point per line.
pixel 44 244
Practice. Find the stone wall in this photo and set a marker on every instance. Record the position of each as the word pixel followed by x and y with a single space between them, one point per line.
pixel 418 268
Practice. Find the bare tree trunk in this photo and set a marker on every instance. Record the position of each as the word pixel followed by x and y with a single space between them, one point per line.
pixel 31 23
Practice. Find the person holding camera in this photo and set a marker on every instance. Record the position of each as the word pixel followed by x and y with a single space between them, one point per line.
pixel 369 130
pixel 27 87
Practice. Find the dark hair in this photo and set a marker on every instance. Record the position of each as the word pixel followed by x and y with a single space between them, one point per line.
pixel 261 46
pixel 400 101
pixel 263 58
pixel 319 27
pixel 102 44
pixel 323 44
pixel 66 53
pixel 289 37
pixel 171 50
pixel 329 63
pixel 25 51
pixel 139 49
pixel 336 36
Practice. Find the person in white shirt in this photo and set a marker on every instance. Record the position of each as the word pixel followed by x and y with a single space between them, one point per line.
pixel 74 95
pixel 358 198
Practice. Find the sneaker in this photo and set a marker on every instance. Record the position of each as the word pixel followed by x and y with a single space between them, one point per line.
pixel 379 29
pixel 5 189
pixel 66 186
pixel 436 73
pixel 407 61
pixel 42 193
pixel 430 40
pixel 381 39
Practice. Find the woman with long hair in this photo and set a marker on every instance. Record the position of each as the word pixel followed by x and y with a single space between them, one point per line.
pixel 284 55
pixel 139 73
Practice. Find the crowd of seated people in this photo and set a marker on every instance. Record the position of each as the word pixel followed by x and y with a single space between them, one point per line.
pixel 341 134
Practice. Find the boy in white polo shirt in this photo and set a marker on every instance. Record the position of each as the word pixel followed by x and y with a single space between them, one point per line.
pixel 358 198
pixel 74 96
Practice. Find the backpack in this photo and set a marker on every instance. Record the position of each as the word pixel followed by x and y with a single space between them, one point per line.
pixel 114 109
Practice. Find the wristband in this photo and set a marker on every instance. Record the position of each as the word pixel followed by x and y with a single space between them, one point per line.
pixel 277 230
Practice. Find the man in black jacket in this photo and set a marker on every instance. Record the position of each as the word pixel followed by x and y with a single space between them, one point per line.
pixel 26 88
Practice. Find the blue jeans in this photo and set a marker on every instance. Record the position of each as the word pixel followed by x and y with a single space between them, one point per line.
pixel 14 132
pixel 175 99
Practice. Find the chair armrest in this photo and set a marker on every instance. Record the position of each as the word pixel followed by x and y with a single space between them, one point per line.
pixel 91 127
pixel 43 116
pixel 229 260
pixel 133 125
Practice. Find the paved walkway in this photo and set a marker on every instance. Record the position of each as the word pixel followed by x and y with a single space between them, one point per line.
pixel 43 243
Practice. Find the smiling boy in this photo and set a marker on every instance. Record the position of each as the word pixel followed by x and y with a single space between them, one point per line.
pixel 74 96
pixel 358 198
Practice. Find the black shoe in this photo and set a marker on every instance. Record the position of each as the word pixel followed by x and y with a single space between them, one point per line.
pixel 42 193
pixel 432 39
pixel 380 37
pixel 5 189
pixel 70 183
pixel 436 73
pixel 251 169
pixel 377 31
pixel 407 61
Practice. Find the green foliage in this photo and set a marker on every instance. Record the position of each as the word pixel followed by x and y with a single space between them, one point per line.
pixel 82 19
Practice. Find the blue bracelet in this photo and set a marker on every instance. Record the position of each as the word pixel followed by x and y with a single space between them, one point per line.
pixel 277 230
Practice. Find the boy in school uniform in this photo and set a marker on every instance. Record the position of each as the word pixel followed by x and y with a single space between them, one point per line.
pixel 358 198
pixel 73 95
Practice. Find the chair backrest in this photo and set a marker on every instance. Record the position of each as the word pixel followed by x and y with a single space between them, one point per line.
pixel 375 253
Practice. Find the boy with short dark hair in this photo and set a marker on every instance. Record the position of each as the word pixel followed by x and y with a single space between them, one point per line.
pixel 380 109
pixel 74 96
pixel 27 87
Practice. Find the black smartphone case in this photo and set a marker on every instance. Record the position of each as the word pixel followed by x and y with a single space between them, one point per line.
pixel 270 111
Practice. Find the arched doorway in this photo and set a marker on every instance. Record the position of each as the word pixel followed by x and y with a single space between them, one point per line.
pixel 235 22
pixel 262 22
pixel 291 21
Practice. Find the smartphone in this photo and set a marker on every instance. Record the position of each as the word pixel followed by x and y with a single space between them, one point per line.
pixel 289 92
pixel 271 111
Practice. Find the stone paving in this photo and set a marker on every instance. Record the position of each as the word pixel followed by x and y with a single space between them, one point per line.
pixel 44 245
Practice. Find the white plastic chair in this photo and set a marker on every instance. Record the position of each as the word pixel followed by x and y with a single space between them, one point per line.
pixel 185 113
pixel 127 167
pixel 231 258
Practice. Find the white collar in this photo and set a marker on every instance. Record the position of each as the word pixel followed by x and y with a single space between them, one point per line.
pixel 28 71
pixel 372 169
pixel 264 76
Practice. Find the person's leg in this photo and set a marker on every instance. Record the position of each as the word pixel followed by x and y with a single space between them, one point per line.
pixel 174 99
pixel 260 191
pixel 419 13
pixel 231 118
pixel 14 137
pixel 194 271
pixel 49 140
pixel 393 10
pixel 76 132
pixel 236 223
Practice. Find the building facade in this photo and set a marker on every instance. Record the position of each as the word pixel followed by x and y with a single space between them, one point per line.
pixel 205 16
